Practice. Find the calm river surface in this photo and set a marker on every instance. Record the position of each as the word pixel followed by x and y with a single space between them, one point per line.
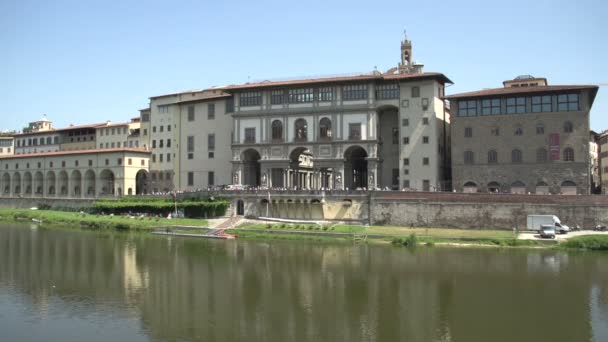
pixel 72 285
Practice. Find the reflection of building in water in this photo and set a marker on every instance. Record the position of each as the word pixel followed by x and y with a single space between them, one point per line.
pixel 598 309
pixel 134 278
pixel 545 262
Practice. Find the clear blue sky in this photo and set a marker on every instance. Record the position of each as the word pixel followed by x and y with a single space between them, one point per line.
pixel 90 61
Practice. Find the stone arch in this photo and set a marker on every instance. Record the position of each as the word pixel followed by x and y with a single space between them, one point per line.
pixel 251 167
pixel 130 191
pixel 90 183
pixel 355 167
pixel 50 183
pixel 493 187
pixel 518 187
pixel 27 183
pixel 301 164
pixel 542 188
pixel 62 183
pixel 469 187
pixel 568 188
pixel 142 185
pixel 6 183
pixel 76 180
pixel 38 183
pixel 107 180
pixel 17 183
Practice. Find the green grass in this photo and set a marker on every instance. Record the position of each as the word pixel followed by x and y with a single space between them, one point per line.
pixel 93 220
pixel 587 242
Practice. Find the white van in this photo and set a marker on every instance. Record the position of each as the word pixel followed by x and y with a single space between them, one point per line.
pixel 536 221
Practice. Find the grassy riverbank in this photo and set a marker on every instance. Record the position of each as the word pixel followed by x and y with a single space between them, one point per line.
pixel 587 242
pixel 93 220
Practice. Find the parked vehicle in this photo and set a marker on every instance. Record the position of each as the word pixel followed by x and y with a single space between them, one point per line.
pixel 601 228
pixel 547 231
pixel 535 222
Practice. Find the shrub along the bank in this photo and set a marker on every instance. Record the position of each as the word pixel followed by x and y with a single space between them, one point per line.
pixel 191 208
pixel 589 242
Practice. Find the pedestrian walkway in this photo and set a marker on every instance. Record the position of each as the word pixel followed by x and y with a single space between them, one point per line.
pixel 229 223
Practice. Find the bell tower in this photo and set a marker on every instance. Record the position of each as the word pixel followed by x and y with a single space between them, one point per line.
pixel 407 64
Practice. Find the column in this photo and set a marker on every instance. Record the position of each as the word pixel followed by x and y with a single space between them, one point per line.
pixel 338 179
pixel 372 174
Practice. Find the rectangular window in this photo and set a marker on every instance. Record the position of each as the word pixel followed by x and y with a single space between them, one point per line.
pixel 119 161
pixel 467 108
pixel 55 140
pixel 230 105
pixel 567 102
pixel 495 131
pixel 168 142
pixel 163 109
pixel 415 91
pixel 90 162
pixel 145 131
pixel 250 135
pixel 516 105
pixel 354 131
pixel 160 157
pixel 276 96
pixel 387 91
pixel 153 143
pixel 114 145
pixel 425 121
pixel 190 144
pixel 395 177
pixel 190 113
pixel 161 143
pixel 425 161
pixel 130 161
pixel 354 92
pixel 211 155
pixel 490 107
pixel 405 122
pixel 63 163
pixel 168 157
pixel 145 117
pixel 395 135
pixel 190 178
pixel 211 111
pixel 541 104
pixel 143 162
pixel 426 185
pixel 168 128
pixel 211 142
pixel 161 128
pixel 253 98
pixel 425 140
pixel 406 140
pixel 107 161
pixel 211 178
pixel 406 161
pixel 468 132
pixel 153 129
pixel 326 94
pixel 406 183
pixel 302 95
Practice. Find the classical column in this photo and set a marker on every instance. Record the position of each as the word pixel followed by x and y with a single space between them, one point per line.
pixel 372 174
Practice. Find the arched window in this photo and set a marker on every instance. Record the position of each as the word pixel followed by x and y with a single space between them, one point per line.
pixel 325 127
pixel 516 156
pixel 469 157
pixel 277 130
pixel 492 157
pixel 541 155
pixel 567 127
pixel 469 187
pixel 568 154
pixel 540 128
pixel 301 130
pixel 519 130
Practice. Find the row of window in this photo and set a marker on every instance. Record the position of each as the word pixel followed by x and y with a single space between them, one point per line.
pixel 519 105
pixel 517 156
pixel 425 161
pixel 518 130
pixel 161 158
pixel 37 141
pixel 161 143
pixel 112 131
pixel 160 128
pixel 131 144
pixel 210 178
pixel 210 112
pixel 210 146
pixel 77 163
pixel 8 150
pixel 324 94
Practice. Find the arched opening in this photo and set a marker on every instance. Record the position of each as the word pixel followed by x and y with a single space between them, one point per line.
pixel 301 168
pixel 542 188
pixel 50 183
pixel 16 183
pixel 6 183
pixel 301 130
pixel 251 167
pixel 277 131
pixel 76 180
pixel 493 187
pixel 388 151
pixel 518 187
pixel 240 207
pixel 325 129
pixel 27 183
pixel 141 182
pixel 469 187
pixel 38 183
pixel 130 191
pixel 568 188
pixel 355 167
pixel 63 183
pixel 106 179
pixel 90 184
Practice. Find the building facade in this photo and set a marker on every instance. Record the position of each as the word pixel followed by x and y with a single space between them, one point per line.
pixel 527 137
pixel 379 130
pixel 603 161
pixel 7 146
pixel 75 174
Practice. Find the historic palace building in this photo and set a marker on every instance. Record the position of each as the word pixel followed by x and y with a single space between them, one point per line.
pixel 527 137
pixel 603 161
pixel 379 130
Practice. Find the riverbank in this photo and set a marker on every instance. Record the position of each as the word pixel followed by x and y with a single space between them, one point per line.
pixel 84 220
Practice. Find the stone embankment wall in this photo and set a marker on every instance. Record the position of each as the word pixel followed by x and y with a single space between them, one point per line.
pixel 484 211
pixel 54 203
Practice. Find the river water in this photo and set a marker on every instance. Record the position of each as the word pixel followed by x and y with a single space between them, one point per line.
pixel 73 285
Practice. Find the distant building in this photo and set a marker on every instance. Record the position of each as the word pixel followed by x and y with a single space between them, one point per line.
pixel 603 161
pixel 7 147
pixel 594 163
pixel 527 137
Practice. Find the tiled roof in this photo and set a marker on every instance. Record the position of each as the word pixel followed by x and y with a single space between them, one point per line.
pixel 522 90
pixel 60 153
pixel 178 93
pixel 370 77
pixel 54 130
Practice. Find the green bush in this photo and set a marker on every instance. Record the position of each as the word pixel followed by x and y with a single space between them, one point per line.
pixel 44 206
pixel 268 226
pixel 589 242
pixel 191 208
pixel 411 241
pixel 397 241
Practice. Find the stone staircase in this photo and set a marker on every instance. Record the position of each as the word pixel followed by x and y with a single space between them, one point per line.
pixel 229 223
